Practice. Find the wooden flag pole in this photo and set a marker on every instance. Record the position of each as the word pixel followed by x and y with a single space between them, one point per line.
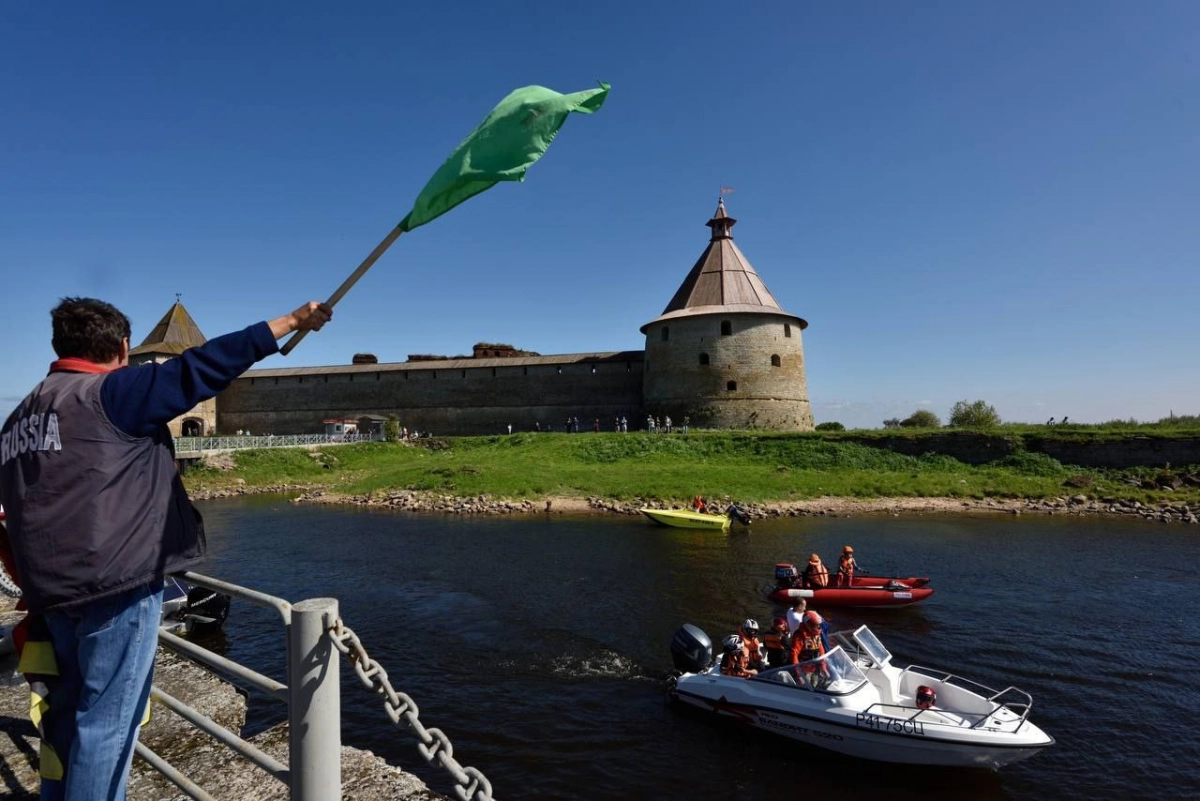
pixel 349 282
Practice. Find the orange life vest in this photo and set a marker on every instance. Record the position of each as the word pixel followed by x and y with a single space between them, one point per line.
pixel 752 651
pixel 816 575
pixel 806 646
pixel 733 663
pixel 846 568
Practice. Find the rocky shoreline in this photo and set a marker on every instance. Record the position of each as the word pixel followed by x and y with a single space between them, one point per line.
pixel 434 502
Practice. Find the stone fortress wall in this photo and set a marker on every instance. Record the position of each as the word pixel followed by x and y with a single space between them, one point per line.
pixel 452 396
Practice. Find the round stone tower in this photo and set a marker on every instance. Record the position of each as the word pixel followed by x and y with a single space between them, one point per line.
pixel 723 352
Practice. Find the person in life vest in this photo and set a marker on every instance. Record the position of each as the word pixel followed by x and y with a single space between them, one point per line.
pixel 808 644
pixel 777 642
pixel 751 644
pixel 698 504
pixel 816 575
pixel 733 661
pixel 846 567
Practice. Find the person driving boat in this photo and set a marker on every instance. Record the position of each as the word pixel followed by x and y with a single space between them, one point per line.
pixel 808 644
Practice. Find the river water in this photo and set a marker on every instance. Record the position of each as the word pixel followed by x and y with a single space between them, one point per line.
pixel 540 644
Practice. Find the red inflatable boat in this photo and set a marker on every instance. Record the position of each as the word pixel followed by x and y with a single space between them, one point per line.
pixel 864 591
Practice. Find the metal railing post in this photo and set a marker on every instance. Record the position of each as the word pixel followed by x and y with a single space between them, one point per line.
pixel 314 708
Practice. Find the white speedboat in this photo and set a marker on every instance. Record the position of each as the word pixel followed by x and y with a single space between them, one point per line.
pixel 855 701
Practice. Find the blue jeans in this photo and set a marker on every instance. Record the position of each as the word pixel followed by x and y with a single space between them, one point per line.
pixel 105 654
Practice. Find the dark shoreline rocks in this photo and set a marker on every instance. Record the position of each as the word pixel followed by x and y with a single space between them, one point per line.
pixel 435 502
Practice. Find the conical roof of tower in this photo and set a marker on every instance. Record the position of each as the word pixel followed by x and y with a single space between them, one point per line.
pixel 722 280
pixel 175 333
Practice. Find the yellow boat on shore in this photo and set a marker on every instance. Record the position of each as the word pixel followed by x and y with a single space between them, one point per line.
pixel 686 518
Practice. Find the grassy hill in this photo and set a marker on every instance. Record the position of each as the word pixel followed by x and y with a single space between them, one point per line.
pixel 748 466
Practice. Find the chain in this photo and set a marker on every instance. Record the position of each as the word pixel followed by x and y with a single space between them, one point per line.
pixel 8 586
pixel 472 785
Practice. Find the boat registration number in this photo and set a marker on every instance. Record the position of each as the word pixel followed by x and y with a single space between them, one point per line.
pixel 867 721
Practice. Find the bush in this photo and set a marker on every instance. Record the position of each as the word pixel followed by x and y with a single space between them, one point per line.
pixel 974 415
pixel 922 418
pixel 832 425
pixel 1031 464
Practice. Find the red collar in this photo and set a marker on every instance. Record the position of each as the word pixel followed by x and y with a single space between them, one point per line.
pixel 73 365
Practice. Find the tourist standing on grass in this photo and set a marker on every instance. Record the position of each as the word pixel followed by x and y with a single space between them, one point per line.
pixel 97 515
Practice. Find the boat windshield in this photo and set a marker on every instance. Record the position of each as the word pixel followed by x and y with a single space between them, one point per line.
pixel 834 672
pixel 870 644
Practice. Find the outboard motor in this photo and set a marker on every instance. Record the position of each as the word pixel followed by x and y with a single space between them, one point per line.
pixel 786 574
pixel 691 649
pixel 734 512
pixel 206 610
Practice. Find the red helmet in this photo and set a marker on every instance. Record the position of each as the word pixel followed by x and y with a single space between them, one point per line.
pixel 926 697
pixel 779 624
pixel 812 620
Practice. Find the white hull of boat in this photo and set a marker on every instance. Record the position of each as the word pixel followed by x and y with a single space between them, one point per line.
pixel 854 701
pixel 906 744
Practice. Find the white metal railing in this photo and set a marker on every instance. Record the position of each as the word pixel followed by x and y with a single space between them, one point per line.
pixel 200 444
pixel 316 637
pixel 312 695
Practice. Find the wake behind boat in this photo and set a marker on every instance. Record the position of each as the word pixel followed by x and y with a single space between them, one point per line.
pixel 853 700
pixel 689 518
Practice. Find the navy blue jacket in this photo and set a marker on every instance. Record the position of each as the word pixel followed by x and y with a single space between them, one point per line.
pixel 87 473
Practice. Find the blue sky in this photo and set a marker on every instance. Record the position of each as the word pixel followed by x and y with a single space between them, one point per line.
pixel 965 200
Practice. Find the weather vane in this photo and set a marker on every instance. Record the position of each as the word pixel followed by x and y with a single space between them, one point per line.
pixel 727 190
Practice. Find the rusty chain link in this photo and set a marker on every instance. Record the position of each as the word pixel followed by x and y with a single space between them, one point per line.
pixel 471 785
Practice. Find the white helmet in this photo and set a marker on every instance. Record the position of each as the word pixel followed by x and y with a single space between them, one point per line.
pixel 749 627
pixel 732 643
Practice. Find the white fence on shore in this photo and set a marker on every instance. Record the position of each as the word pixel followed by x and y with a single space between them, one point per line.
pixel 186 445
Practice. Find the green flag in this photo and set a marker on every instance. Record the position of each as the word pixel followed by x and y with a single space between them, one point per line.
pixel 502 148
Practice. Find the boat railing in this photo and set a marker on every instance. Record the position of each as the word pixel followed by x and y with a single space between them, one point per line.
pixel 1018 701
pixel 923 716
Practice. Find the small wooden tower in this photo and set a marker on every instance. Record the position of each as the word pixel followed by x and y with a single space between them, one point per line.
pixel 175 333
pixel 723 352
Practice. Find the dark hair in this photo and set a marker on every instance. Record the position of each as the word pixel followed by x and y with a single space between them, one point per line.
pixel 86 328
